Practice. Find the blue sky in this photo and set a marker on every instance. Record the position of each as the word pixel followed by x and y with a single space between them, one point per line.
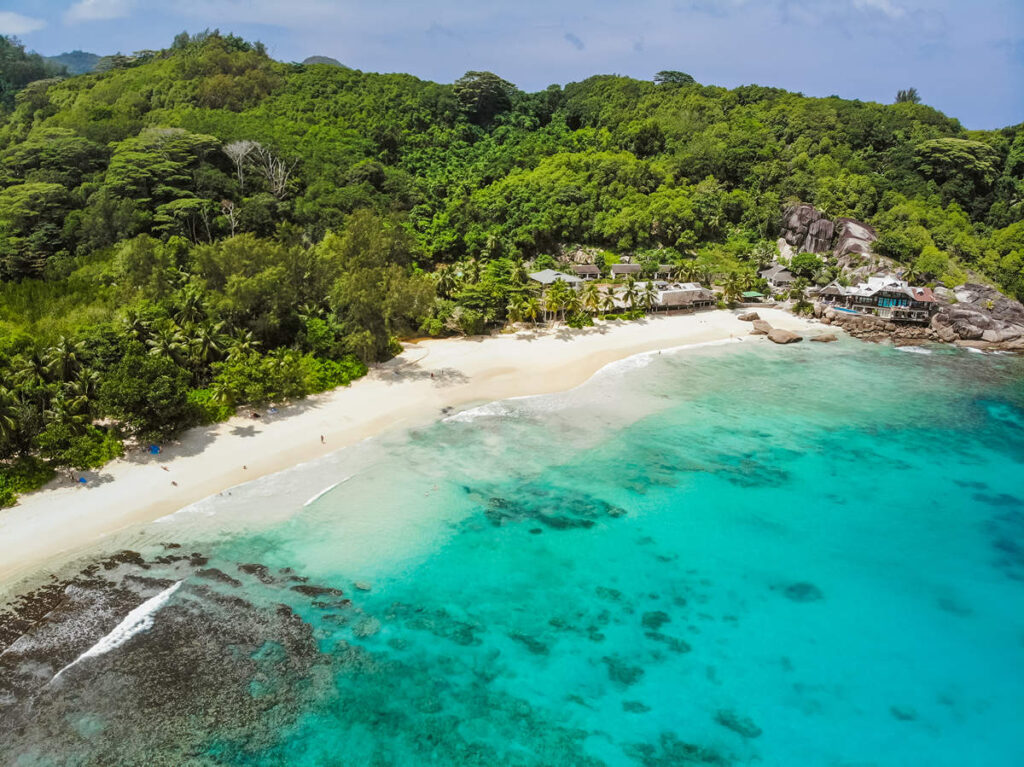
pixel 966 57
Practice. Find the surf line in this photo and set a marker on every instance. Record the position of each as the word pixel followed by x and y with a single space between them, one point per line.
pixel 138 620
pixel 327 490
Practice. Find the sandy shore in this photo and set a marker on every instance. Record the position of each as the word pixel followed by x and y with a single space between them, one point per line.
pixel 51 525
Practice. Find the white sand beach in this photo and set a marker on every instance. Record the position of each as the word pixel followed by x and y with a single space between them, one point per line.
pixel 55 523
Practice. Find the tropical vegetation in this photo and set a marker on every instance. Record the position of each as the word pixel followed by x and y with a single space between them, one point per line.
pixel 188 230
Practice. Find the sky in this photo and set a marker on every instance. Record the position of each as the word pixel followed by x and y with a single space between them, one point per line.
pixel 965 57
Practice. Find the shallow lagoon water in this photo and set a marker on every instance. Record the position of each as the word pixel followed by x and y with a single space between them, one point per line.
pixel 808 555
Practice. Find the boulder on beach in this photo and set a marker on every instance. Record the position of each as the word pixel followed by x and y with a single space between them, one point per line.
pixel 780 336
pixel 749 317
pixel 825 338
pixel 761 328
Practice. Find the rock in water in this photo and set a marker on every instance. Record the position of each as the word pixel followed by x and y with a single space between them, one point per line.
pixel 749 317
pixel 738 724
pixel 761 328
pixel 779 336
pixel 824 338
pixel 803 592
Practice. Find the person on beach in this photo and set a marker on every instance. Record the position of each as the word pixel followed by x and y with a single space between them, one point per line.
pixel 322 442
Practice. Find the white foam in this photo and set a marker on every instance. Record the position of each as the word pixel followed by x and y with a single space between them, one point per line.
pixel 557 401
pixel 914 349
pixel 327 490
pixel 138 620
pixel 973 350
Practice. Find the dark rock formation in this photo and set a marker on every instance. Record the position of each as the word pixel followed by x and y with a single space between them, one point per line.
pixel 741 725
pixel 806 229
pixel 655 620
pixel 825 338
pixel 983 318
pixel 981 314
pixel 854 237
pixel 803 592
pixel 780 336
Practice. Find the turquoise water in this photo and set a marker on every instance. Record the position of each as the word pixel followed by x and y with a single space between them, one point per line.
pixel 807 555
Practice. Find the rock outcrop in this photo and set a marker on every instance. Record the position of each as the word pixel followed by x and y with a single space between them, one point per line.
pixel 854 237
pixel 780 336
pixel 749 317
pixel 825 338
pixel 987 320
pixel 806 229
pixel 761 328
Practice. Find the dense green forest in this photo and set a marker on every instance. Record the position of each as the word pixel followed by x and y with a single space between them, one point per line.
pixel 200 227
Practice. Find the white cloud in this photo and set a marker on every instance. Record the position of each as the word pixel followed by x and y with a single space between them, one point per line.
pixel 885 7
pixel 97 10
pixel 16 24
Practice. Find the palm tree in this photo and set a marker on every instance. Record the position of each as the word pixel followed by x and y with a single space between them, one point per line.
pixel 573 303
pixel 191 309
pixel 763 254
pixel 167 341
pixel 911 274
pixel 649 296
pixel 81 393
pixel 72 413
pixel 472 271
pixel 798 293
pixel 8 413
pixel 62 359
pixel 631 293
pixel 532 309
pixel 207 341
pixel 608 302
pixel 908 96
pixel 447 281
pixel 136 326
pixel 308 311
pixel 733 287
pixel 31 372
pixel 552 302
pixel 242 343
pixel 519 275
pixel 590 297
pixel 515 308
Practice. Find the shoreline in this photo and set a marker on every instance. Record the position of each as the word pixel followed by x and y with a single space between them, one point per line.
pixel 51 526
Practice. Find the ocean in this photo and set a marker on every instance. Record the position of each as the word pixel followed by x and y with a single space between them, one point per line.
pixel 739 554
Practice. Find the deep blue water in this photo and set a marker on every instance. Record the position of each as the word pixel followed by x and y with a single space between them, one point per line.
pixel 808 555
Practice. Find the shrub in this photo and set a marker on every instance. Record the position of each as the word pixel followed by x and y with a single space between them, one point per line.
pixel 22 475
pixel 322 374
pixel 207 408
pixel 579 320
pixel 87 449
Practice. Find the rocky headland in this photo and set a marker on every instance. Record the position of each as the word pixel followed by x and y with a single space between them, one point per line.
pixel 969 315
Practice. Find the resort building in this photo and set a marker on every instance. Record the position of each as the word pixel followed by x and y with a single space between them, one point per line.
pixel 885 297
pixel 587 271
pixel 550 277
pixel 778 276
pixel 624 270
pixel 666 271
pixel 686 296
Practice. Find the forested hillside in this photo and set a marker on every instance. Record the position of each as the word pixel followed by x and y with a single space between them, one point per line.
pixel 203 226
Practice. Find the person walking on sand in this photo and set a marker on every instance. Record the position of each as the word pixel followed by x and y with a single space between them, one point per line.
pixel 322 440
